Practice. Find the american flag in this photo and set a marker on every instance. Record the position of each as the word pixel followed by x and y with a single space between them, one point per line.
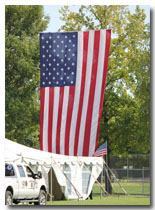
pixel 72 84
pixel 102 150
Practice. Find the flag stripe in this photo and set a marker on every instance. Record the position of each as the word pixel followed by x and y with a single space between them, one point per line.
pixel 91 94
pixel 45 125
pixel 59 119
pixel 97 93
pixel 55 117
pixel 63 121
pixel 42 101
pixel 107 47
pixel 50 118
pixel 86 92
pixel 77 94
pixel 84 66
pixel 69 115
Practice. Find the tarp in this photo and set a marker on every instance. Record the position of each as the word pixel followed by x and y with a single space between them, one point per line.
pixel 75 175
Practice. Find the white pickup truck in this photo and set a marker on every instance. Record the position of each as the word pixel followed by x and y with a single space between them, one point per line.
pixel 23 185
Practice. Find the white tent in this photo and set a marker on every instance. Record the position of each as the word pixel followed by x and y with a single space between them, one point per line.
pixel 72 177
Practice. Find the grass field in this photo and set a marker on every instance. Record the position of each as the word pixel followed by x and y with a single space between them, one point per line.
pixel 133 188
pixel 115 199
pixel 109 200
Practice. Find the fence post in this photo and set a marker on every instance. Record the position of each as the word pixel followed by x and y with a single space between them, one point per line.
pixel 143 180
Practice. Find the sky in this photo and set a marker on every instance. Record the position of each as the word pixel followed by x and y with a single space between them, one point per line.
pixel 55 22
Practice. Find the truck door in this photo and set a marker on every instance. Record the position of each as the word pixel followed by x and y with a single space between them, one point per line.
pixel 23 183
pixel 31 182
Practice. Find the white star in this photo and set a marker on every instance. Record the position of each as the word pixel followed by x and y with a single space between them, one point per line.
pixel 49 73
pixel 54 41
pixel 44 65
pixel 49 82
pixel 50 55
pixel 43 56
pixel 42 37
pixel 71 82
pixel 57 46
pixel 72 73
pixel 61 78
pixel 73 64
pixel 50 46
pixel 73 35
pixel 62 69
pixel 49 64
pixel 54 78
pixel 43 46
pixel 65 37
pixel 57 73
pixel 47 41
pixel 70 41
pixel 50 37
pixel 43 83
pixel 57 64
pixel 43 74
pixel 62 41
pixel 68 68
pixel 69 50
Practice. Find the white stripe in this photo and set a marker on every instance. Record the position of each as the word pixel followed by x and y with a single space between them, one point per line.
pixel 86 92
pixel 45 120
pixel 55 117
pixel 63 120
pixel 77 93
pixel 98 90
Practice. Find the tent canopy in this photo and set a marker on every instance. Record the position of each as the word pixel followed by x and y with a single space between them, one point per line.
pixel 75 175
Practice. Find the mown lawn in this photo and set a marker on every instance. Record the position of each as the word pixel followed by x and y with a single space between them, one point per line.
pixel 133 188
pixel 109 200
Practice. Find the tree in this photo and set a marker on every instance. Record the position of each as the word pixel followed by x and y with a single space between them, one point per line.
pixel 22 24
pixel 125 122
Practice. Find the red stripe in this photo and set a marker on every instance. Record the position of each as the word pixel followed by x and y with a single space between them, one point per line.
pixel 50 118
pixel 42 101
pixel 59 120
pixel 91 94
pixel 69 117
pixel 84 66
pixel 106 58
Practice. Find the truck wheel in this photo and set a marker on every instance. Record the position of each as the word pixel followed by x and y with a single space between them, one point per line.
pixel 42 198
pixel 8 198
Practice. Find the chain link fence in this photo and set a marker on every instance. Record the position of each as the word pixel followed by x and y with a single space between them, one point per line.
pixel 133 172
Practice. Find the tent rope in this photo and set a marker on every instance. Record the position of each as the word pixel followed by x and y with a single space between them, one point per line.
pixel 76 191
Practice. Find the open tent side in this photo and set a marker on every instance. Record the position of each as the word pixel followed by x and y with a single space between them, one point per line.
pixel 66 176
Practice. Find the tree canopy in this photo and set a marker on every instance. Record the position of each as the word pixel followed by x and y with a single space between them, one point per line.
pixel 22 75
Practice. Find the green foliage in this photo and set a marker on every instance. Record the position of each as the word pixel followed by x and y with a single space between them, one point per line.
pixel 23 23
pixel 125 122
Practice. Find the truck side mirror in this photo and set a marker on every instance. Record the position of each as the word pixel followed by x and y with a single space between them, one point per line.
pixel 40 175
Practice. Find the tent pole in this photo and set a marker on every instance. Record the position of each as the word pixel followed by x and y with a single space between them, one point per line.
pixel 115 179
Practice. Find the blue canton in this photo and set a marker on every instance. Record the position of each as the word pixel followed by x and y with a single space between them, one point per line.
pixel 58 59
